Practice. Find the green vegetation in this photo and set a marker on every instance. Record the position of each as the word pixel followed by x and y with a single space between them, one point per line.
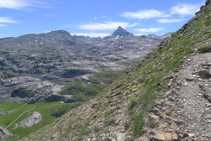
pixel 59 111
pixel 82 91
pixel 205 49
pixel 22 92
pixel 109 122
pixel 83 131
pixel 108 113
pixel 160 63
pixel 105 76
pixel 69 73
pixel 11 112
pixel 96 129
pixel 138 124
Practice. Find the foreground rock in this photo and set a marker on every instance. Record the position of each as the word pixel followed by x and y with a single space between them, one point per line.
pixel 160 136
pixel 207 92
pixel 4 132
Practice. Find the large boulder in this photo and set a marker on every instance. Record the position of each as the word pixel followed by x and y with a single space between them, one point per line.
pixel 35 118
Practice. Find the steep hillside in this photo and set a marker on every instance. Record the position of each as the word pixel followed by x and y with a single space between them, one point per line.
pixel 166 96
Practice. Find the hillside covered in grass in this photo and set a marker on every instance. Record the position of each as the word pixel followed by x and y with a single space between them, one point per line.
pixel 124 110
pixel 12 114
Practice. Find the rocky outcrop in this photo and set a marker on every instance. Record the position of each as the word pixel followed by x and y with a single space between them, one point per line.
pixel 27 89
pixel 207 2
pixel 4 132
pixel 35 118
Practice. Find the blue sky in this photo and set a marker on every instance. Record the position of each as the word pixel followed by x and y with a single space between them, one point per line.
pixel 94 17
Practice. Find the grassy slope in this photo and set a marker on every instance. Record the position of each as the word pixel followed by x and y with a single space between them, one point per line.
pixel 15 110
pixel 137 88
pixel 82 91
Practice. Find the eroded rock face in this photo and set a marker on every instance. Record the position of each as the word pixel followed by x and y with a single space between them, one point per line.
pixel 27 89
pixel 35 118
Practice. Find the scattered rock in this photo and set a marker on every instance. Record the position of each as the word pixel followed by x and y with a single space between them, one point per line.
pixel 120 136
pixel 204 74
pixel 109 139
pixel 155 117
pixel 4 132
pixel 206 92
pixel 174 126
pixel 164 126
pixel 161 136
pixel 189 78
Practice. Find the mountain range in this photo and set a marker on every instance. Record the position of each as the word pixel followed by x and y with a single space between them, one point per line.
pixel 44 63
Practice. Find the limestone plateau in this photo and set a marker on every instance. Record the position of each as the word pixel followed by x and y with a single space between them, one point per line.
pixel 34 67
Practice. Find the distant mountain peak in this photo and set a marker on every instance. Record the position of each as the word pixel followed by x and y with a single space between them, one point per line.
pixel 59 32
pixel 121 32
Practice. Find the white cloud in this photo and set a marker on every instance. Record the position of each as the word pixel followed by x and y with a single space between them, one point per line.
pixel 108 25
pixel 18 4
pixel 92 34
pixel 149 30
pixel 14 4
pixel 170 20
pixel 145 14
pixel 185 9
pixel 7 20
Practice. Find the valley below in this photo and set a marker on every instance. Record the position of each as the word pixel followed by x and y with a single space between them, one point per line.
pixel 35 68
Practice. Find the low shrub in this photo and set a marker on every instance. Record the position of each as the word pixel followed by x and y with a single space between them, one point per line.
pixel 22 92
pixel 205 49
pixel 59 111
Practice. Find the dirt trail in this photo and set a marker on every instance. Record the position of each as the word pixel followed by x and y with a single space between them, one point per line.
pixel 183 112
pixel 195 109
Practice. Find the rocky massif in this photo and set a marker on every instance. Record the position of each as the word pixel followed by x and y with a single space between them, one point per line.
pixel 35 67
pixel 166 96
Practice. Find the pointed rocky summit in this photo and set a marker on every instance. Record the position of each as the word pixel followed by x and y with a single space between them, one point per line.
pixel 121 32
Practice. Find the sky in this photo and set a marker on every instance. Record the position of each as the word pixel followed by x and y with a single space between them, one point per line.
pixel 95 18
